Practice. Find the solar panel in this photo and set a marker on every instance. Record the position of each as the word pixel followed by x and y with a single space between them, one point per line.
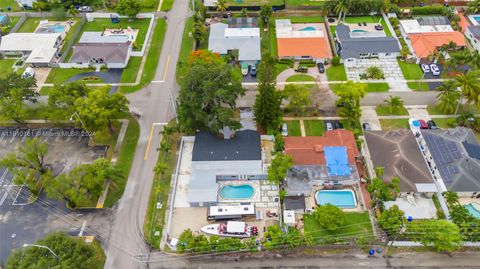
pixel 472 150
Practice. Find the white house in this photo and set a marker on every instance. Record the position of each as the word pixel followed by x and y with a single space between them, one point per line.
pixel 38 49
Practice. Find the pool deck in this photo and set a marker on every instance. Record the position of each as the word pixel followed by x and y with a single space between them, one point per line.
pixel 466 200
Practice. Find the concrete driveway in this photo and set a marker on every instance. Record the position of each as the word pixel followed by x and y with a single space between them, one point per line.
pixel 418 112
pixel 369 115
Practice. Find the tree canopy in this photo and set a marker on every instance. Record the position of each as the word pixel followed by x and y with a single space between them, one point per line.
pixel 329 216
pixel 391 220
pixel 442 235
pixel 279 168
pixel 129 8
pixel 61 99
pixel 72 253
pixel 14 90
pixel 350 94
pixel 298 96
pixel 208 94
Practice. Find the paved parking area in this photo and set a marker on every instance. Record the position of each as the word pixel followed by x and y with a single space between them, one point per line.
pixel 418 112
pixel 391 69
pixel 369 115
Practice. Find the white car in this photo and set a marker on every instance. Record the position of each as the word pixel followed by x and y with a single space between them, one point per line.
pixel 329 126
pixel 425 68
pixel 435 70
pixel 29 72
pixel 284 129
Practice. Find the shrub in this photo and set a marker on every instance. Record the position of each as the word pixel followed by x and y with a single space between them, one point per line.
pixel 375 72
pixel 452 122
pixel 329 216
pixel 428 10
pixel 336 61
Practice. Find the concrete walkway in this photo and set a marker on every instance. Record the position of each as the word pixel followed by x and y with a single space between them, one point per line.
pixel 418 112
pixel 302 128
pixel 369 115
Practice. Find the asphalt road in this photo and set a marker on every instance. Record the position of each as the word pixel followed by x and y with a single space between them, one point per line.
pixel 126 246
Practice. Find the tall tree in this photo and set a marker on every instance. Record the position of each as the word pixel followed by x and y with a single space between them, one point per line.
pixel 99 109
pixel 72 252
pixel 266 108
pixel 208 94
pixel 329 216
pixel 266 12
pixel 474 60
pixel 298 96
pixel 448 102
pixel 25 85
pixel 129 8
pixel 221 6
pixel 341 8
pixel 350 94
pixel 28 165
pixel 12 106
pixel 391 220
pixel 61 99
pixel 84 182
pixel 448 87
pixel 442 235
pixel 394 104
pixel 72 11
pixel 277 171
pixel 470 86
pixel 199 32
pixel 473 7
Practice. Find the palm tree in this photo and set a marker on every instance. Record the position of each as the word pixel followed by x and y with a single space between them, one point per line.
pixel 451 197
pixel 473 7
pixel 448 87
pixel 198 33
pixel 448 102
pixel 404 52
pixel 470 87
pixel 394 104
pixel 244 13
pixel 72 11
pixel 342 8
pixel 221 6
pixel 474 60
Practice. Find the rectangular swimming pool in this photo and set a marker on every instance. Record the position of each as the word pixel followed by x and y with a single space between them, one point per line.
pixel 339 198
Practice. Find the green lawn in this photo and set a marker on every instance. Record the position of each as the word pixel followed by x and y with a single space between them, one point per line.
pixel 124 161
pixel 129 74
pixel 333 30
pixel 418 86
pixel 9 3
pixel 392 124
pixel 253 2
pixel 152 59
pixel 370 19
pixel 300 78
pixel 313 127
pixel 280 67
pixel 167 5
pixel 378 87
pixel 272 38
pixel 6 67
pixel 303 3
pixel 29 25
pixel 99 25
pixel 293 128
pixel 45 90
pixel 356 225
pixel 442 122
pixel 383 110
pixel 61 75
pixel 336 73
pixel 185 50
pixel 435 110
pixel 13 21
pixel 69 36
pixel 410 71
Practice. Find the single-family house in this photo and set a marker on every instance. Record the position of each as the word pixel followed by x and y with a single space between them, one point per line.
pixel 472 32
pixel 302 40
pixel 364 44
pixel 398 153
pixel 37 49
pixel 224 39
pixel 456 159
pixel 321 160
pixel 28 4
pixel 428 33
pixel 94 48
pixel 4 20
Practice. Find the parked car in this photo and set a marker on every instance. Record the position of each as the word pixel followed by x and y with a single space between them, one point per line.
pixel 423 124
pixel 321 67
pixel 329 126
pixel 366 126
pixel 244 69
pixel 301 69
pixel 284 129
pixel 378 27
pixel 29 72
pixel 253 71
pixel 435 70
pixel 85 9
pixel 338 125
pixel 425 68
pixel 432 125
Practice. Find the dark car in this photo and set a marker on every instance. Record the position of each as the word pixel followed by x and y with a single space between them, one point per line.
pixel 423 124
pixel 366 126
pixel 321 67
pixel 253 71
pixel 432 125
pixel 338 125
pixel 301 69
pixel 85 9
pixel 378 27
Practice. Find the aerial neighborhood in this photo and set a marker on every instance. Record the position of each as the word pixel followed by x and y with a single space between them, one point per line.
pixel 274 133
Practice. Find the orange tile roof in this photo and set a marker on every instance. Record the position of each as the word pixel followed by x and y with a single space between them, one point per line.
pixel 463 23
pixel 426 43
pixel 315 47
pixel 308 150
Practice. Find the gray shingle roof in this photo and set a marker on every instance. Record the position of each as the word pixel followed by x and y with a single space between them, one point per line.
pixel 244 146
pixel 294 202
pixel 351 47
pixel 109 52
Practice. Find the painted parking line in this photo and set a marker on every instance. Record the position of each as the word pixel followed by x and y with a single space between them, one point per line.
pixel 5 195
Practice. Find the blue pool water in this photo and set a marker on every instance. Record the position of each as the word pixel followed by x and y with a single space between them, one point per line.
pixel 340 198
pixel 477 18
pixel 308 28
pixel 358 31
pixel 473 211
pixel 236 192
pixel 57 28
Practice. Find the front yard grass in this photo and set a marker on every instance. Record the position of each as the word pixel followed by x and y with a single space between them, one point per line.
pixel 300 78
pixel 166 5
pixel 435 109
pixel 418 86
pixel 303 3
pixel 280 67
pixel 9 3
pixel 371 87
pixel 254 2
pixel 293 127
pixel 61 75
pixel 383 110
pixel 336 73
pixel 314 127
pixel 185 50
pixel 129 73
pixel 6 67
pixel 356 225
pixel 410 71
pixel 392 124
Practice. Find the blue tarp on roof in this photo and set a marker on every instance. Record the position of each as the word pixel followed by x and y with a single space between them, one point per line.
pixel 337 161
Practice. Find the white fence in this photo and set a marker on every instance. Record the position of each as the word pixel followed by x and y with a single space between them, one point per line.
pixel 73 65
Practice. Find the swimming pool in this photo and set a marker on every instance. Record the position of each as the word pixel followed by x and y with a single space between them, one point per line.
pixel 244 191
pixel 477 18
pixel 56 28
pixel 308 28
pixel 340 198
pixel 358 31
pixel 474 211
